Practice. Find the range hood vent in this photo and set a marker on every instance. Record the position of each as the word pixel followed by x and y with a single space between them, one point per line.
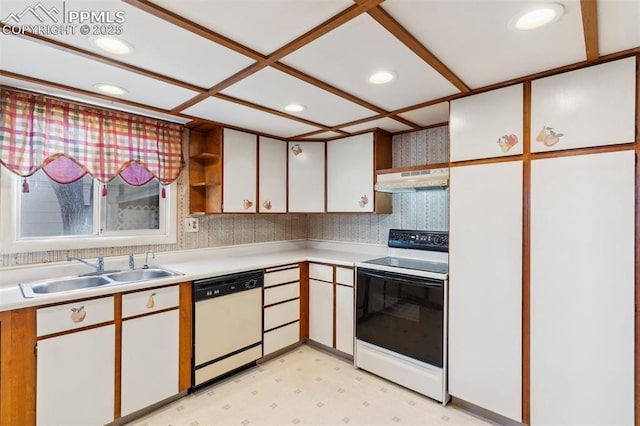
pixel 411 181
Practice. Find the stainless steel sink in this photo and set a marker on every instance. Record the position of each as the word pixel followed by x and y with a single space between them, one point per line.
pixel 44 287
pixel 140 275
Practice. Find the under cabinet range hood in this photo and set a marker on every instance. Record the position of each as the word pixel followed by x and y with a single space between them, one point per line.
pixel 411 181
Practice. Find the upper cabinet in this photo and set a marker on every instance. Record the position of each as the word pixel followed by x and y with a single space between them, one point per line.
pixel 487 125
pixel 272 176
pixel 240 151
pixel 306 177
pixel 588 107
pixel 205 171
pixel 350 174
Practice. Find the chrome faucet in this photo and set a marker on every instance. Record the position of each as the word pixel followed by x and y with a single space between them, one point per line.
pixel 132 264
pixel 146 258
pixel 99 266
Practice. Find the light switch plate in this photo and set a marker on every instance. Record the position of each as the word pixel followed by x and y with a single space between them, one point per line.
pixel 191 224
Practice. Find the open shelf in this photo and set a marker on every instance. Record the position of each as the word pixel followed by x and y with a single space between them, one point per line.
pixel 205 171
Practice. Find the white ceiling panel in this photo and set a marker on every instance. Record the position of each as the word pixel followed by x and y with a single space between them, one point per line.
pixel 472 38
pixel 159 46
pixel 241 116
pixel 347 56
pixel 276 89
pixel 52 91
pixel 388 124
pixel 263 25
pixel 433 114
pixel 34 59
pixel 618 25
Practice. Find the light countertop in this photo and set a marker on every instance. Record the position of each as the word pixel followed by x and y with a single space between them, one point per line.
pixel 194 264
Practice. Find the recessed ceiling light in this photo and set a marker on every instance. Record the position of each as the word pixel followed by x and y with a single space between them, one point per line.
pixel 113 45
pixel 382 77
pixel 110 89
pixel 542 14
pixel 295 107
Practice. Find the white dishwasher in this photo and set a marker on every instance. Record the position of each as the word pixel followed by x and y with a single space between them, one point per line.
pixel 227 325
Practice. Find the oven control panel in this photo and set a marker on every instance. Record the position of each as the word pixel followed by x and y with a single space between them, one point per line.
pixel 420 240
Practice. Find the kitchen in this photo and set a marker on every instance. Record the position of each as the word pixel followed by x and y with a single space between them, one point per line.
pixel 506 184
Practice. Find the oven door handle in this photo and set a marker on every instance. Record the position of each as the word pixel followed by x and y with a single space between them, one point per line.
pixel 418 282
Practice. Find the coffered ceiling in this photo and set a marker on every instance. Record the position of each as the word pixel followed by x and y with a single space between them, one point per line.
pixel 238 63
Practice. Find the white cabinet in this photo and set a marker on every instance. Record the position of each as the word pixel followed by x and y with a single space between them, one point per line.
pixel 588 107
pixel 485 286
pixel 272 176
pixel 321 312
pixel 75 380
pixel 306 177
pixel 582 289
pixel 281 307
pixel 344 319
pixel 150 348
pixel 239 172
pixel 350 174
pixel 487 125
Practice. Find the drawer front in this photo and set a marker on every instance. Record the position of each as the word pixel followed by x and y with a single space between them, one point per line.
pixel 281 293
pixel 281 338
pixel 143 302
pixel 71 316
pixel 281 277
pixel 321 272
pixel 275 316
pixel 344 276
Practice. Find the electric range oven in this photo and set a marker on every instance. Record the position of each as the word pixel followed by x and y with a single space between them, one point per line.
pixel 401 312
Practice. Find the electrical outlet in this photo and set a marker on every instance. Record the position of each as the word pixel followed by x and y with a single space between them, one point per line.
pixel 191 224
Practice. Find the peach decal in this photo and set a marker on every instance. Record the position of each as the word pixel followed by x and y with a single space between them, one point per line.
pixel 506 142
pixel 151 303
pixel 78 314
pixel 364 200
pixel 548 136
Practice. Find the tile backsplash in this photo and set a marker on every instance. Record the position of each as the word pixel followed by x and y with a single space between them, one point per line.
pixel 421 210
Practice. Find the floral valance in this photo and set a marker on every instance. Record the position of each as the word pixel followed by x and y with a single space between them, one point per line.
pixel 69 140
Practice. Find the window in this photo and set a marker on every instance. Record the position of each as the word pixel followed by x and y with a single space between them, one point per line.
pixel 55 216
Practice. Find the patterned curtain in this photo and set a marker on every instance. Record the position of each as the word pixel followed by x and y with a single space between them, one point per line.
pixel 69 140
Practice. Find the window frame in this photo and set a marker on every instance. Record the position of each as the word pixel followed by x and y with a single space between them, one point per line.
pixel 10 241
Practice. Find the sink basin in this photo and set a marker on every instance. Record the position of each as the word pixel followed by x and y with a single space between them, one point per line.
pixel 44 287
pixel 64 284
pixel 140 275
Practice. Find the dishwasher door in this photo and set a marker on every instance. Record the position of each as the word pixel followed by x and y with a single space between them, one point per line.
pixel 227 333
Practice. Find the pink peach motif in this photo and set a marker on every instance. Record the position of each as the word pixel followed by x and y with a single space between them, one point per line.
pixel 506 142
pixel 364 200
pixel 548 136
pixel 78 314
pixel 267 204
pixel 247 204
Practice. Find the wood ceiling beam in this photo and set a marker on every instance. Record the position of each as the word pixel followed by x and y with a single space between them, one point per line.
pixel 191 26
pixel 394 27
pixel 589 9
pixel 103 59
pixel 89 93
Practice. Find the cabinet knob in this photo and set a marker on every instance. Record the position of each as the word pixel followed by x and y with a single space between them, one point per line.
pixel 364 200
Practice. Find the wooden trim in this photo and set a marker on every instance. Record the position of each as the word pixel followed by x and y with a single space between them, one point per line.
pixel 18 364
pixel 326 179
pixel 204 121
pixel 390 24
pixel 148 314
pixel 490 160
pixel 430 126
pixel 117 315
pixel 526 256
pixel 75 330
pixel 257 177
pixel 282 302
pixel 105 60
pixel 589 9
pixel 304 300
pixel 637 254
pixel 186 321
pixel 583 151
pixel 335 306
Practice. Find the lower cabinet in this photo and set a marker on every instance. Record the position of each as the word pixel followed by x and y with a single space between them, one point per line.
pixel 331 299
pixel 281 308
pixel 149 360
pixel 75 381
